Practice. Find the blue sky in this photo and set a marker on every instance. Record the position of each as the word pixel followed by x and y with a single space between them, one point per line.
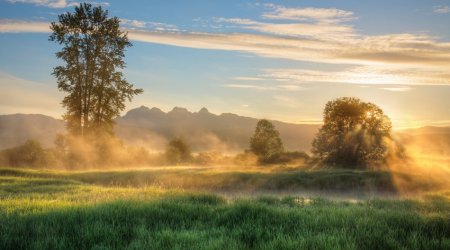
pixel 268 59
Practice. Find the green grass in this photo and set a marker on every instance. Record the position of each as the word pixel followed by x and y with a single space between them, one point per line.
pixel 104 210
pixel 229 179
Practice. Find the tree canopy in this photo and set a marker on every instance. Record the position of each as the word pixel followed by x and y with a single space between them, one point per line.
pixel 355 134
pixel 93 52
pixel 266 142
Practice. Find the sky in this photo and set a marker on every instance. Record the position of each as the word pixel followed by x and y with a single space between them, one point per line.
pixel 281 60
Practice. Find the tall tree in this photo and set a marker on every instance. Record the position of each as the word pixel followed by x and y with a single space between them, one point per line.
pixel 355 134
pixel 266 142
pixel 93 52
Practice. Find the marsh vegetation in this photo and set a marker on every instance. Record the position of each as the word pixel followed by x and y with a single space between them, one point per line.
pixel 123 209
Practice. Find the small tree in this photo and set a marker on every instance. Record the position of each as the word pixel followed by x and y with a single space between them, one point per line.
pixel 266 142
pixel 177 152
pixel 355 134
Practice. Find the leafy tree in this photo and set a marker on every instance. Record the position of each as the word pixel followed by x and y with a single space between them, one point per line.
pixel 266 142
pixel 29 154
pixel 355 134
pixel 93 52
pixel 177 152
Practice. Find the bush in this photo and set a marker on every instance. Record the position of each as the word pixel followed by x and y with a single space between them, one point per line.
pixel 29 154
pixel 211 157
pixel 293 157
pixel 178 152
pixel 246 159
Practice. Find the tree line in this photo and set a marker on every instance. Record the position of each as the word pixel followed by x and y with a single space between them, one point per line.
pixel 355 134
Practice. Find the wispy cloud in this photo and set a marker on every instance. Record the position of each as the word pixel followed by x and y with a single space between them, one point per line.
pixel 156 26
pixel 441 9
pixel 401 49
pixel 398 89
pixel 247 78
pixel 134 23
pixel 314 30
pixel 57 4
pixel 377 74
pixel 269 86
pixel 307 14
pixel 290 87
pixel 26 26
pixel 18 26
pixel 308 35
pixel 249 86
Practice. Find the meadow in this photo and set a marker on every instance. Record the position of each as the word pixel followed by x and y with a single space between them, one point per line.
pixel 218 208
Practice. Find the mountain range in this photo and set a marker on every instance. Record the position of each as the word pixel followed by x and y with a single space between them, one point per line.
pixel 152 128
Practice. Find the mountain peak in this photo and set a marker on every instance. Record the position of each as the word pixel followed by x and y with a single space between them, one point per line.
pixel 203 111
pixel 179 110
pixel 142 108
pixel 138 111
pixel 156 110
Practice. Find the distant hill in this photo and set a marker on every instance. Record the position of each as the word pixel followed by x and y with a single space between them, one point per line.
pixel 152 128
pixel 204 130
pixel 16 129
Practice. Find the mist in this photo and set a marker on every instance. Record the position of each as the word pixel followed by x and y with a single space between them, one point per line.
pixel 425 163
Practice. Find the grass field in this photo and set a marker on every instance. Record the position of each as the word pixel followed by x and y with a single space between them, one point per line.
pixel 226 208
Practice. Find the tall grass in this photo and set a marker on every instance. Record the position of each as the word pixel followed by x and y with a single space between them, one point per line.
pixel 55 210
pixel 229 180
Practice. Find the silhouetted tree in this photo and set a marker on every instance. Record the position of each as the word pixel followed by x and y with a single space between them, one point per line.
pixel 93 51
pixel 177 152
pixel 266 142
pixel 355 134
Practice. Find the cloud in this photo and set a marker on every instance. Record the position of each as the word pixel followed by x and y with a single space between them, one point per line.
pixel 18 26
pixel 398 89
pixel 326 44
pixel 314 30
pixel 57 4
pixel 247 78
pixel 306 35
pixel 270 87
pixel 441 9
pixel 249 86
pixel 47 3
pixel 290 87
pixel 139 25
pixel 367 75
pixel 307 14
pixel 134 23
